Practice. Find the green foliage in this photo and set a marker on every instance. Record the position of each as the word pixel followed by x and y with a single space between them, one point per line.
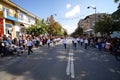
pixel 54 28
pixel 116 18
pixel 116 1
pixel 108 24
pixel 78 31
pixel 39 28
pixel 65 33
pixel 116 15
pixel 104 26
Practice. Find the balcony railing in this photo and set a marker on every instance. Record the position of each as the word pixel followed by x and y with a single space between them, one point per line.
pixel 12 16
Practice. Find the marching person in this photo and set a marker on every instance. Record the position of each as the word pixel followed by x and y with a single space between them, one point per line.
pixel 86 43
pixel 75 42
pixel 29 45
pixel 64 42
pixel 81 41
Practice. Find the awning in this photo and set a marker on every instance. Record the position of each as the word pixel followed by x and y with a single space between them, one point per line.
pixel 88 30
pixel 8 25
pixel 115 34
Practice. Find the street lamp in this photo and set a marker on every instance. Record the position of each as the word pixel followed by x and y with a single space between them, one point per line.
pixel 93 7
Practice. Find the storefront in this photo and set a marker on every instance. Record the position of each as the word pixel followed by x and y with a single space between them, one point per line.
pixel 8 27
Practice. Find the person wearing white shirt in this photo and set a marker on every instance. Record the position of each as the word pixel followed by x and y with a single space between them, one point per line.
pixel 48 42
pixel 64 42
pixel 30 45
pixel 78 40
pixel 81 41
pixel 75 42
pixel 86 43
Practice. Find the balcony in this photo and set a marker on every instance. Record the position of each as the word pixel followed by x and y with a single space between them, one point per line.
pixel 11 17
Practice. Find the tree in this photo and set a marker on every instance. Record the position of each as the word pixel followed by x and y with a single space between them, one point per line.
pixel 38 28
pixel 65 32
pixel 116 15
pixel 116 18
pixel 54 28
pixel 78 31
pixel 43 27
pixel 105 25
pixel 116 1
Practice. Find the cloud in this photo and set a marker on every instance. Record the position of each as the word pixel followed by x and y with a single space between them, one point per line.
pixel 69 29
pixel 68 6
pixel 73 12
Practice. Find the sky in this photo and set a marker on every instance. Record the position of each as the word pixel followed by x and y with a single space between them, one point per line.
pixel 68 12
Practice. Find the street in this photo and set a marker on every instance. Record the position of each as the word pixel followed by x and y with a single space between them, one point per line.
pixel 57 63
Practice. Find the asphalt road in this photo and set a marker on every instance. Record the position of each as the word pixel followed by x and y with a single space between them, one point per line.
pixel 57 63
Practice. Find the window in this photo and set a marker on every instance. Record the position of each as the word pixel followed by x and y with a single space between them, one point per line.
pixel 20 16
pixel 7 11
pixel 3 8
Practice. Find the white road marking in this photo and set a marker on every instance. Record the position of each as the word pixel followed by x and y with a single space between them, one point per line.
pixel 72 68
pixel 70 65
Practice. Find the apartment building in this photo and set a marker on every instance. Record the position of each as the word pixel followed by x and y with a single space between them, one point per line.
pixel 14 19
pixel 89 21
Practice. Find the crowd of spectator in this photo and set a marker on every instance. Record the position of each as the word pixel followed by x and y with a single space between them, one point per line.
pixel 11 46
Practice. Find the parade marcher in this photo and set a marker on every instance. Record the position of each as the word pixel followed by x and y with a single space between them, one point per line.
pixel 64 42
pixel 78 40
pixel 86 43
pixel 30 45
pixel 75 42
pixel 81 41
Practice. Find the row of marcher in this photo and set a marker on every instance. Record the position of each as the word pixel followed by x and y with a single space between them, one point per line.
pixel 102 43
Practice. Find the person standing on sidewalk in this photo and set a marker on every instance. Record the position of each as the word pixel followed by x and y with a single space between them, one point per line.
pixel 99 44
pixel 29 45
pixel 48 42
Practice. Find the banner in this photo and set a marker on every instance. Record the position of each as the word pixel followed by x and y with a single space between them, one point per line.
pixel 1 27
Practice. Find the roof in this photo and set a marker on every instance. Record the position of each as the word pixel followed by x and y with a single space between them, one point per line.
pixel 18 7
